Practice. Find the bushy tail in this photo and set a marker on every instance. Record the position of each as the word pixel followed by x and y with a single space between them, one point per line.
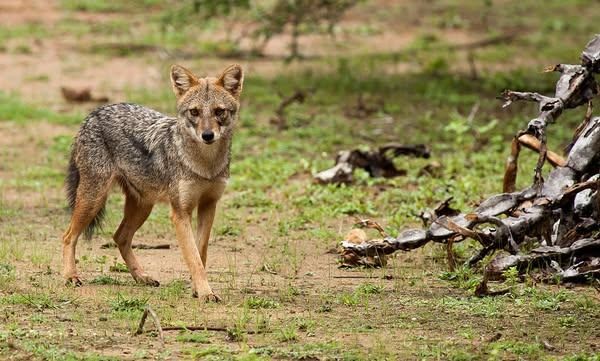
pixel 71 184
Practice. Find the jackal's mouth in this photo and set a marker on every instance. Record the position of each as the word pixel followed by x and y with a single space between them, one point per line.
pixel 208 142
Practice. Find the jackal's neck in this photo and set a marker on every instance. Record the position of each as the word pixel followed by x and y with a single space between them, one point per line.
pixel 209 161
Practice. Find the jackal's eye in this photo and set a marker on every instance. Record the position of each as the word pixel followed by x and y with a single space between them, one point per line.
pixel 219 112
pixel 194 112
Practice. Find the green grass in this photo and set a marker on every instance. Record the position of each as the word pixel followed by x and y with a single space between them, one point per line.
pixel 254 302
pixel 13 109
pixel 107 6
pixel 124 303
pixel 106 280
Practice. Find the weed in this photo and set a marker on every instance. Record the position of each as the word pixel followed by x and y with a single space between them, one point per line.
pixel 106 280
pixel 7 270
pixel 519 348
pixel 463 277
pixel 255 302
pixel 123 303
pixel 13 109
pixel 39 301
pixel 118 267
pixel 548 301
pixel 288 333
pixel 369 289
pixel 172 290
pixel 511 276
pixel 305 324
pixel 582 357
pixel 193 337
pixel 567 321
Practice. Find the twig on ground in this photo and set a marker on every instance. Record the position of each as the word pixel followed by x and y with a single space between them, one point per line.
pixel 138 246
pixel 149 311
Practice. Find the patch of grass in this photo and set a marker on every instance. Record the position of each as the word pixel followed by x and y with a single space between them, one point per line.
pixel 106 5
pixel 193 337
pixel 39 301
pixel 207 352
pixel 7 270
pixel 14 110
pixel 288 333
pixel 173 290
pixel 11 250
pixel 256 302
pixel 548 301
pixel 369 289
pixel 106 280
pixel 502 349
pixel 118 267
pixel 127 304
pixel 22 31
pixel 490 307
pixel 462 277
pixel 229 230
pixel 582 357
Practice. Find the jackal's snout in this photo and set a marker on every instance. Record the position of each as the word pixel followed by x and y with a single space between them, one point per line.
pixel 208 136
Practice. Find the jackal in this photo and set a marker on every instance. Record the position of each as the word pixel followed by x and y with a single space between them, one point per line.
pixel 183 160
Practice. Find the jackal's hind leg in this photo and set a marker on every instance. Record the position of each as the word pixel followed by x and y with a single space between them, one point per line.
pixel 135 215
pixel 87 206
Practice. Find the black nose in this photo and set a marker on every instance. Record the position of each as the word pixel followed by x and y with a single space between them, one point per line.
pixel 208 135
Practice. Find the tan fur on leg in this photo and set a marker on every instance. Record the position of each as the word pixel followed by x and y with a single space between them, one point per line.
pixel 206 216
pixel 83 213
pixel 135 214
pixel 185 237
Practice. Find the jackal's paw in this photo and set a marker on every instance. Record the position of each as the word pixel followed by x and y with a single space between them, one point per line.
pixel 207 297
pixel 146 280
pixel 74 281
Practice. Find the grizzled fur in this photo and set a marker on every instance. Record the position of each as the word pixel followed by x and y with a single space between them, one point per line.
pixel 145 151
pixel 183 160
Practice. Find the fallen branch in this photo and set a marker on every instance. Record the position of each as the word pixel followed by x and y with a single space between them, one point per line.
pixel 138 246
pixel 149 311
pixel 377 163
pixel 561 212
pixel 533 143
pixel 280 119
pixel 206 328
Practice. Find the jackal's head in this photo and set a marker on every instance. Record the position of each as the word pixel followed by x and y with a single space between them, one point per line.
pixel 208 106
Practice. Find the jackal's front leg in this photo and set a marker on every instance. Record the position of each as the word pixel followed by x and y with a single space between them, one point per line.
pixel 182 219
pixel 206 216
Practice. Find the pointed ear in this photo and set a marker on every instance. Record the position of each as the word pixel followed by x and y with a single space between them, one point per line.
pixel 182 80
pixel 232 79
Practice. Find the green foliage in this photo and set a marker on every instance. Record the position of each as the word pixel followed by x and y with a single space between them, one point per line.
pixel 13 109
pixel 369 289
pixel 7 270
pixel 511 276
pixel 583 357
pixel 123 303
pixel 256 302
pixel 548 301
pixel 288 333
pixel 173 290
pixel 462 277
pixel 106 280
pixel 107 5
pixel 118 267
pixel 39 301
pixel 193 337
